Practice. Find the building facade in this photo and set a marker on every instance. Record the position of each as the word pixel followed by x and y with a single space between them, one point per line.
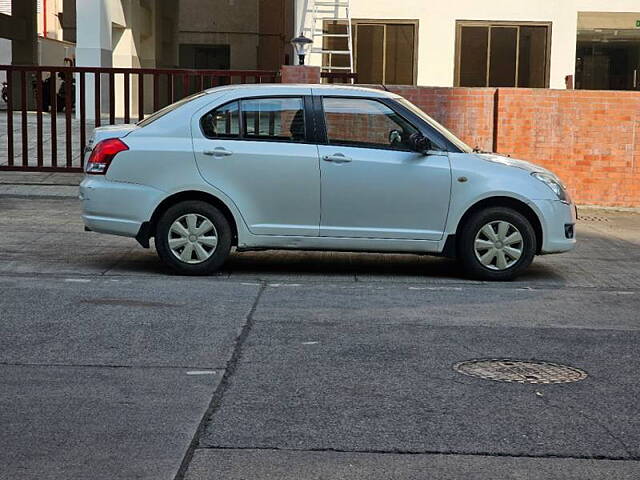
pixel 592 44
pixel 586 44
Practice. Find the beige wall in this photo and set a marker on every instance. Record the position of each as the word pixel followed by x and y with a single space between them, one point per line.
pixel 222 22
pixel 54 26
pixel 257 31
pixel 437 27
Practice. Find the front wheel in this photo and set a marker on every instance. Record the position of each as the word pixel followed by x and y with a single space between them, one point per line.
pixel 497 243
pixel 193 238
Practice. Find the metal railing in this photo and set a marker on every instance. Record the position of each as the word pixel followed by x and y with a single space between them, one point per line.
pixel 106 96
pixel 339 77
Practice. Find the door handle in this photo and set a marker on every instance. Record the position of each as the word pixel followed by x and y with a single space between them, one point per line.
pixel 336 158
pixel 218 152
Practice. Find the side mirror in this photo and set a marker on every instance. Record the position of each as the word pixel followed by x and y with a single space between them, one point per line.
pixel 419 143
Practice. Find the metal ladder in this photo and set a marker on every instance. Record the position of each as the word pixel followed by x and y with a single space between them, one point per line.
pixel 332 11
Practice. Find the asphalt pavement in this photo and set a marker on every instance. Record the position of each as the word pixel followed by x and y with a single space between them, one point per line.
pixel 306 365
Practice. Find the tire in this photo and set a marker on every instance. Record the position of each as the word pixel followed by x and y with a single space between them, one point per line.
pixel 495 258
pixel 195 248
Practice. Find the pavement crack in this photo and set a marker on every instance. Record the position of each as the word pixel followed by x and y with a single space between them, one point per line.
pixel 107 365
pixel 218 394
pixel 596 421
pixel 424 452
pixel 614 437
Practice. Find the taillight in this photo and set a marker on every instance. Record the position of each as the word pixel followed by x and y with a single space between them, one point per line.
pixel 102 155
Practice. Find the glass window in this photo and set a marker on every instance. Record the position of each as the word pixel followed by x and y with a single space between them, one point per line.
pixel 532 57
pixel 368 123
pixel 274 119
pixel 399 54
pixel 473 56
pixel 502 55
pixel 383 52
pixel 370 53
pixel 222 122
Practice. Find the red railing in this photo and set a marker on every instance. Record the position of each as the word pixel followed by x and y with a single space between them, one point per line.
pixel 39 90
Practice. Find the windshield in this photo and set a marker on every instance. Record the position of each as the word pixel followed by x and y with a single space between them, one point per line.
pixel 442 130
pixel 169 108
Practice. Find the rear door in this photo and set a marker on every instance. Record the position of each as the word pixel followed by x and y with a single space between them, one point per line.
pixel 257 151
pixel 373 185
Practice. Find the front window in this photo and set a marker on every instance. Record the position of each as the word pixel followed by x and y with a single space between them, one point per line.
pixel 502 54
pixel 436 126
pixel 368 123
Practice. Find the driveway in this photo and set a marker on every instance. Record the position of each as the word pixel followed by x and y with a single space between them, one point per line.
pixel 294 365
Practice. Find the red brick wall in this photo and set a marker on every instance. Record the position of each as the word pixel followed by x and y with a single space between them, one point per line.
pixel 299 74
pixel 591 139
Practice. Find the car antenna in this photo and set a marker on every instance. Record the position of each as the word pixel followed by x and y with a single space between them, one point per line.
pixel 384 86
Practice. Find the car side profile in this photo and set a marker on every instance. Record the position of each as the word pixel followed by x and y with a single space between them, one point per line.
pixel 317 167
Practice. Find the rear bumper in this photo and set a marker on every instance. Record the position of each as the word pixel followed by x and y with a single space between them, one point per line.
pixel 556 217
pixel 117 208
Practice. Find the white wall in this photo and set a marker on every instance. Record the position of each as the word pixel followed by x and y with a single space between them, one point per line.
pixel 117 33
pixel 437 27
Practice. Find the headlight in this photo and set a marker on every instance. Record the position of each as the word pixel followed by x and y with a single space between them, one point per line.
pixel 554 184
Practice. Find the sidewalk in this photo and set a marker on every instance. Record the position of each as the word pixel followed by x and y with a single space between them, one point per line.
pixel 39 184
pixel 32 135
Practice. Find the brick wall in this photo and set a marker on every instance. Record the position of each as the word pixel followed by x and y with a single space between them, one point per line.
pixel 299 74
pixel 591 139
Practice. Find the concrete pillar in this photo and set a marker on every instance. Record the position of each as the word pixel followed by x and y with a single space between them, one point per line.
pixel 164 48
pixel 24 51
pixel 24 48
pixel 93 33
pixel 94 47
pixel 166 33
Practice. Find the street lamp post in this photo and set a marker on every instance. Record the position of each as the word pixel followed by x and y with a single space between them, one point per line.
pixel 302 46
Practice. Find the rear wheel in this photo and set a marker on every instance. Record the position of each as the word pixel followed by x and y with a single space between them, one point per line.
pixel 193 238
pixel 497 243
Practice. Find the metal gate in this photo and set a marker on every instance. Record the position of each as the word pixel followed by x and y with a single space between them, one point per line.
pixel 46 131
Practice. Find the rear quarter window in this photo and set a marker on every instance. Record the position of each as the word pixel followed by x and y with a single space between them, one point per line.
pixel 168 109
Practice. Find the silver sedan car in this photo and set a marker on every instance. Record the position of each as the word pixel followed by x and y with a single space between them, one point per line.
pixel 317 167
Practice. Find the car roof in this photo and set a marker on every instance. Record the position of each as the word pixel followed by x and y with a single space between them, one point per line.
pixel 303 89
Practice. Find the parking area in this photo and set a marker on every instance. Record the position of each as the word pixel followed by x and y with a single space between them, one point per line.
pixel 309 365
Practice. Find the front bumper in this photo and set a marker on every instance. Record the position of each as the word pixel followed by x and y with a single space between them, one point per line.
pixel 558 221
pixel 117 208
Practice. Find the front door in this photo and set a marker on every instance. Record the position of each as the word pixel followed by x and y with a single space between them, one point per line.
pixel 373 186
pixel 255 151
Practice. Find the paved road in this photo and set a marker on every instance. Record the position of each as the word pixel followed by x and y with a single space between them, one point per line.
pixel 294 365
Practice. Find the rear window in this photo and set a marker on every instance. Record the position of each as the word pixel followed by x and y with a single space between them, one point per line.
pixel 168 109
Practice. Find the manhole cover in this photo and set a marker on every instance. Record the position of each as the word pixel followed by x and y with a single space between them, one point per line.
pixel 520 371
